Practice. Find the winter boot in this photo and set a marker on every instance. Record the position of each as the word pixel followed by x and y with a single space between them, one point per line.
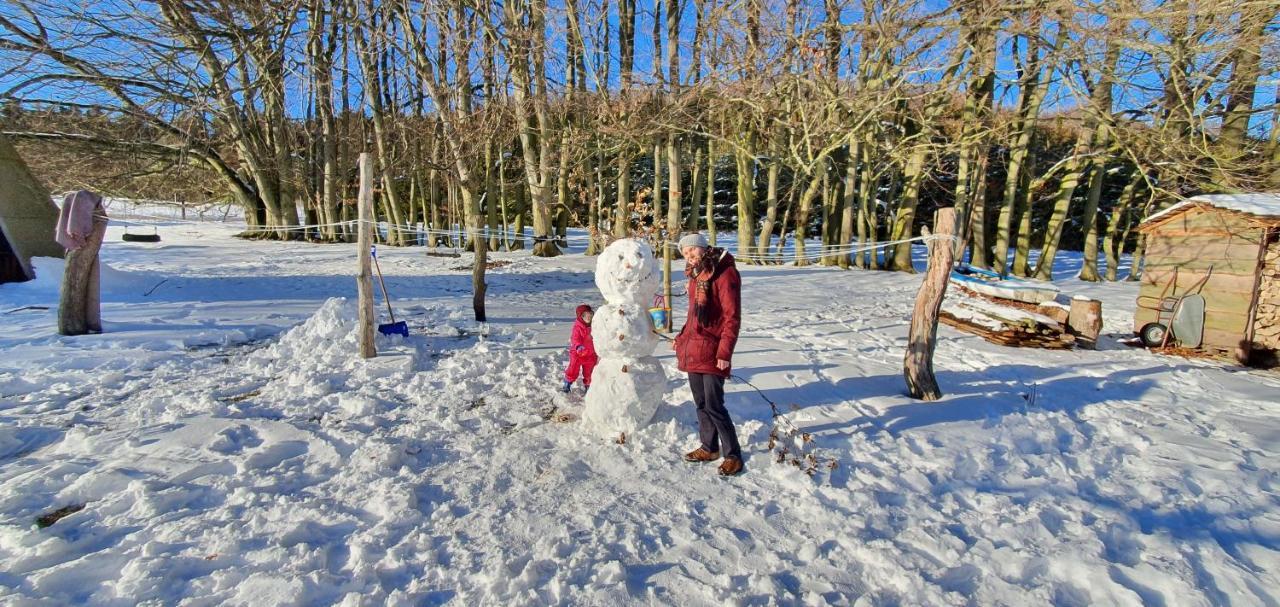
pixel 701 455
pixel 568 385
pixel 731 466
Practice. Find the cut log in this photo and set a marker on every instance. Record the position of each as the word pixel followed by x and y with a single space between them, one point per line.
pixel 1054 310
pixel 1085 321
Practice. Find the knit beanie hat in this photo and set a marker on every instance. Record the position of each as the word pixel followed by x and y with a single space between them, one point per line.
pixel 695 239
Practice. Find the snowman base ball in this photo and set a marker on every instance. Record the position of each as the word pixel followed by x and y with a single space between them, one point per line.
pixel 624 396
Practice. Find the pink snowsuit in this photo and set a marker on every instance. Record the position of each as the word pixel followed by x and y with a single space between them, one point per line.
pixel 582 351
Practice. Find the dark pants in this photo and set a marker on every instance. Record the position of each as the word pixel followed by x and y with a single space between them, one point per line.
pixel 715 429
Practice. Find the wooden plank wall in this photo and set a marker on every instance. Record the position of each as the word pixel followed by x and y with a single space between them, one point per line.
pixel 1192 243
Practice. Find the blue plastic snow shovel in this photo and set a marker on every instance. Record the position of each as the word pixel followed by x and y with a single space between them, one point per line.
pixel 393 327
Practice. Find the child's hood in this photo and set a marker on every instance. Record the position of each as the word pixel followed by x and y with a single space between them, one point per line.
pixel 583 309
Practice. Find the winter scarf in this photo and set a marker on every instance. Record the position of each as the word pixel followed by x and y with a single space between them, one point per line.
pixel 701 274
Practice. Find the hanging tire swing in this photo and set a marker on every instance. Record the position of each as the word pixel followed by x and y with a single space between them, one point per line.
pixel 154 236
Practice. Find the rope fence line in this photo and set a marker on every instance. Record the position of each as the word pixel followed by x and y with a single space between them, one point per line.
pixel 812 252
pixel 818 250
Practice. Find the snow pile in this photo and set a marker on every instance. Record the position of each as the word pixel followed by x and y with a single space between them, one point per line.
pixel 628 382
pixel 328 337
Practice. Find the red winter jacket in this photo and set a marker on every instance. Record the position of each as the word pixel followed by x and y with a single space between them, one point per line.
pixel 580 343
pixel 699 345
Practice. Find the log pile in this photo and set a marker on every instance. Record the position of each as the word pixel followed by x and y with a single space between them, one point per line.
pixel 1266 321
pixel 1005 325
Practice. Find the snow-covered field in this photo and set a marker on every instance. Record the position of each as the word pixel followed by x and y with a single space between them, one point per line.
pixel 229 447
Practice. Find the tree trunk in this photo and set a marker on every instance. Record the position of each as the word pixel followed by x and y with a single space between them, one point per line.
pixel 773 170
pixel 1274 146
pixel 1089 219
pixel 903 224
pixel 594 194
pixel 480 247
pixel 674 194
pixel 1022 252
pixel 622 215
pixel 866 206
pixel 980 32
pixel 711 195
pixel 746 199
pixel 803 211
pixel 830 221
pixel 1030 99
pixel 1061 204
pixel 79 307
pixel 1094 138
pixel 1118 228
pixel 374 85
pixel 656 196
pixel 699 174
pixel 1244 78
pixel 848 209
pixel 526 26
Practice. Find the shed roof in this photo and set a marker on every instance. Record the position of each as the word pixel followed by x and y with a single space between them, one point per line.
pixel 1264 206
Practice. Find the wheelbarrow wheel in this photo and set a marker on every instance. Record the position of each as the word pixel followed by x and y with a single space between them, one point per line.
pixel 1152 334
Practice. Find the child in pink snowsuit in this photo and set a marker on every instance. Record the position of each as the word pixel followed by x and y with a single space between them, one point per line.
pixel 582 351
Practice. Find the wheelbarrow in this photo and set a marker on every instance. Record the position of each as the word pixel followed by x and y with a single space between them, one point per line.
pixel 1180 317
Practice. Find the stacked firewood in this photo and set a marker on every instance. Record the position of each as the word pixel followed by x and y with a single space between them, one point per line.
pixel 1005 325
pixel 1266 323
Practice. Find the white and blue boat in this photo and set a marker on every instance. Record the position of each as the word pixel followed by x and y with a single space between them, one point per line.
pixel 991 283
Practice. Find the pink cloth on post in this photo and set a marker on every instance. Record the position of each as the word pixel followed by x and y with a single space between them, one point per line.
pixel 75 218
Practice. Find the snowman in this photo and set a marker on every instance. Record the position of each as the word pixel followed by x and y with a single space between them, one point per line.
pixel 628 383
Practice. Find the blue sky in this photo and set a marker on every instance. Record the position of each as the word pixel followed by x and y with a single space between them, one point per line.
pixel 1141 87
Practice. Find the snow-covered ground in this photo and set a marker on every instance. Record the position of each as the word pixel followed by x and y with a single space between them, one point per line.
pixel 229 447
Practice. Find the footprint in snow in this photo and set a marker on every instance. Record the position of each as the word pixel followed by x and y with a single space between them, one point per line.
pixel 234 440
pixel 274 455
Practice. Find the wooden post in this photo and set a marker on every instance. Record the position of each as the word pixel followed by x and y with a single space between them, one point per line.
pixel 79 307
pixel 917 367
pixel 1085 321
pixel 667 254
pixel 364 240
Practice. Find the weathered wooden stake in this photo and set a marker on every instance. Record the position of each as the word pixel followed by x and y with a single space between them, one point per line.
pixel 667 254
pixel 364 280
pixel 917 367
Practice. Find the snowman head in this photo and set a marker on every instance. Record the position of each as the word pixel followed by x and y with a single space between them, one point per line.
pixel 627 272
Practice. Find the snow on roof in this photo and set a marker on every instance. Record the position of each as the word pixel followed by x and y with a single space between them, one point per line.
pixel 1260 204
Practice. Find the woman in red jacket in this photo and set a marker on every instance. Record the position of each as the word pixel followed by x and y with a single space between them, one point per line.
pixel 582 351
pixel 704 347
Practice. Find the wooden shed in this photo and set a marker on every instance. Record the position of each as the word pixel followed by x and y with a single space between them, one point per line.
pixel 1224 247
